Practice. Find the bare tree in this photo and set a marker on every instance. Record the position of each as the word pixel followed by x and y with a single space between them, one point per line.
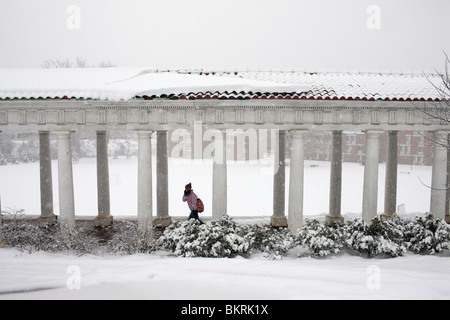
pixel 439 111
pixel 106 64
pixel 56 63
pixel 79 62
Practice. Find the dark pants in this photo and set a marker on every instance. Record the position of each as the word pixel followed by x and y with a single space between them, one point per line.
pixel 194 215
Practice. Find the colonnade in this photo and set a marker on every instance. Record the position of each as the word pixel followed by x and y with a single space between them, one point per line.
pixel 104 217
pixel 294 218
pixel 439 202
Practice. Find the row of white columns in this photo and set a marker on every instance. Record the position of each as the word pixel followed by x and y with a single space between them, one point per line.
pixel 294 220
pixel 439 203
pixel 104 217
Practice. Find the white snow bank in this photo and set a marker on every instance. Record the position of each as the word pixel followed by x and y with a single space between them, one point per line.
pixel 160 276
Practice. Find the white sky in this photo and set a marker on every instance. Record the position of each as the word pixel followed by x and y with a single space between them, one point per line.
pixel 254 34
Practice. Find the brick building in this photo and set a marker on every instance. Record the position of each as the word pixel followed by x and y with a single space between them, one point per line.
pixel 414 147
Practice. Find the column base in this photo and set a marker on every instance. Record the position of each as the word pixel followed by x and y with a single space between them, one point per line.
pixel 278 221
pixel 385 216
pixel 103 221
pixel 3 242
pixel 48 219
pixel 162 222
pixel 329 219
pixel 447 219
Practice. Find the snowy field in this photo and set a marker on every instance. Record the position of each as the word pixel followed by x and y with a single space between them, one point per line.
pixel 162 276
pixel 159 276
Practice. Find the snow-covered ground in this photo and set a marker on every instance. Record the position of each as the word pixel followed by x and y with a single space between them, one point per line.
pixel 159 276
pixel 162 276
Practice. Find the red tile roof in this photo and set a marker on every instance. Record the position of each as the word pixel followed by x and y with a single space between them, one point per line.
pixel 125 84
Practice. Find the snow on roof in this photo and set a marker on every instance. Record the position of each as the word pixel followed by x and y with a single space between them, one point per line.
pixel 123 84
pixel 358 86
pixel 117 84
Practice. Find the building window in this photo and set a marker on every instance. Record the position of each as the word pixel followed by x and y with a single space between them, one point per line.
pixel 351 139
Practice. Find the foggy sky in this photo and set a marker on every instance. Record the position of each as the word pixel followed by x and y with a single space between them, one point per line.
pixel 231 34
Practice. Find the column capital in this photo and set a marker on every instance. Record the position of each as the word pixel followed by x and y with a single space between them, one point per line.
pixel 297 133
pixel 371 133
pixel 441 137
pixel 144 133
pixel 62 134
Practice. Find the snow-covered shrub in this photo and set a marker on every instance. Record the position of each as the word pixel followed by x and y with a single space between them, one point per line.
pixel 47 237
pixel 31 236
pixel 427 235
pixel 378 238
pixel 321 239
pixel 218 238
pixel 272 242
pixel 124 239
pixel 3 161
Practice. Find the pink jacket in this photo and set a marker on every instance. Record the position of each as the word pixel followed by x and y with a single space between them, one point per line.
pixel 191 199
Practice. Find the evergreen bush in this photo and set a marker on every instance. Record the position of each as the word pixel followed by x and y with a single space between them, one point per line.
pixel 272 242
pixel 219 238
pixel 377 238
pixel 226 238
pixel 427 235
pixel 321 239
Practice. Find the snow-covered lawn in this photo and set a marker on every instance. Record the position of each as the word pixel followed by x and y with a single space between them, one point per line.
pixel 163 276
pixel 160 276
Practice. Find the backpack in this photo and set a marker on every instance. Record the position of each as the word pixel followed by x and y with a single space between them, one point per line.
pixel 200 206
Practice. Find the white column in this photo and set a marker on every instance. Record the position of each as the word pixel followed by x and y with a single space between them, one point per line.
pixel 65 183
pixel 278 218
pixel 335 179
pixel 447 197
pixel 162 181
pixel 390 186
pixel 370 190
pixel 219 198
pixel 439 174
pixel 3 242
pixel 45 175
pixel 104 217
pixel 145 204
pixel 295 213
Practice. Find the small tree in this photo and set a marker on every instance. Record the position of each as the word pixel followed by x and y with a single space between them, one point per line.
pixel 441 110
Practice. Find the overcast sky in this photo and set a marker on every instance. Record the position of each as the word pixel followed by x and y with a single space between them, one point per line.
pixel 406 35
